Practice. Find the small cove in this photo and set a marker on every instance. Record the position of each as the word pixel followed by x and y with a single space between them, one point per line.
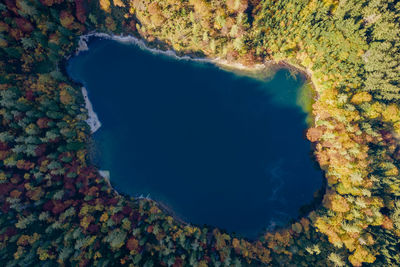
pixel 214 147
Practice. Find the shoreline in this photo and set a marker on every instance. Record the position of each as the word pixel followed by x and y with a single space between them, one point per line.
pixel 170 212
pixel 92 120
pixel 106 174
pixel 222 63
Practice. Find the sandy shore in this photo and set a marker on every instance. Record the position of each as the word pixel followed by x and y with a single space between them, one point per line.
pixel 93 120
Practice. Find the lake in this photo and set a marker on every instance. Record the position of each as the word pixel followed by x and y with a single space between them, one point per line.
pixel 215 147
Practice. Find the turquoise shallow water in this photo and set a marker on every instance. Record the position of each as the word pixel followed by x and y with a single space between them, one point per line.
pixel 216 148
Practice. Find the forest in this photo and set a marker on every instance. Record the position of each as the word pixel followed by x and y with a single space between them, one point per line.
pixel 55 208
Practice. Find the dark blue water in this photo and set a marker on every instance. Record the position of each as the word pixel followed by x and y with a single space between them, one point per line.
pixel 216 148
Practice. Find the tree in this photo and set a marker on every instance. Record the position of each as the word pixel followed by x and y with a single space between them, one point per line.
pixel 336 260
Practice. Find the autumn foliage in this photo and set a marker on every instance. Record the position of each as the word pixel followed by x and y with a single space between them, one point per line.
pixel 57 210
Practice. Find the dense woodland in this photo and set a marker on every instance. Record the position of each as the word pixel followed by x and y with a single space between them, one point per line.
pixel 56 209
